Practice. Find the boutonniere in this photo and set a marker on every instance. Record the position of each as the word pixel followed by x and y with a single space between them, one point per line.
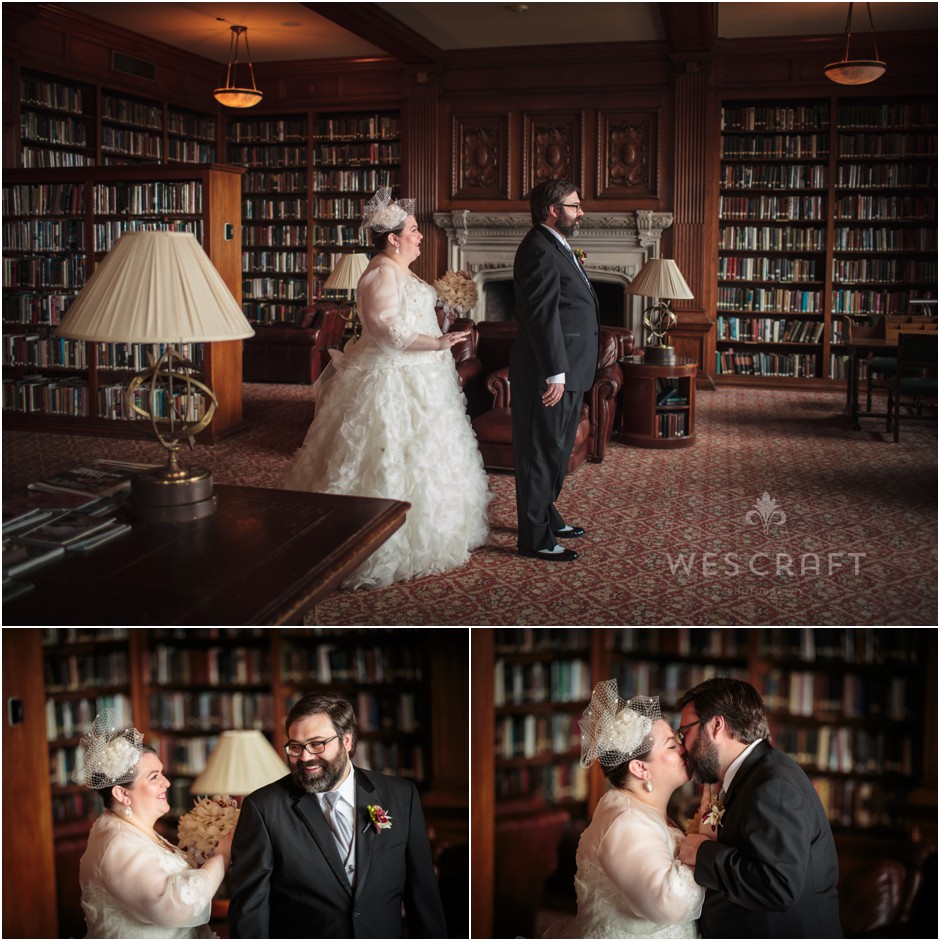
pixel 581 255
pixel 379 818
pixel 713 814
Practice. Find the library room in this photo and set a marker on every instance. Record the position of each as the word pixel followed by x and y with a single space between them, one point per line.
pixel 353 745
pixel 281 278
pixel 583 820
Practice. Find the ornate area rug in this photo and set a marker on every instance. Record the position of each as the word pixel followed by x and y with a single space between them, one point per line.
pixel 778 515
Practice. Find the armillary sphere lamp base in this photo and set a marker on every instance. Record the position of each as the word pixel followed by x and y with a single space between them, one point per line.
pixel 160 497
pixel 659 355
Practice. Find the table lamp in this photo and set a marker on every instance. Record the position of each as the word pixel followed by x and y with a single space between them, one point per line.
pixel 659 278
pixel 345 277
pixel 242 762
pixel 161 287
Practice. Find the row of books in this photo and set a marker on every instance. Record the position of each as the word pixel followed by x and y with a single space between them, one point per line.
pixel 864 645
pixel 211 711
pixel 56 95
pixel 407 761
pixel 105 234
pixel 331 663
pixel 728 643
pixel 269 314
pixel 892 114
pixel 45 272
pixel 842 750
pixel 270 130
pixel 80 805
pixel 379 713
pixel 754 238
pixel 266 155
pixel 210 666
pixel 669 680
pixel 809 693
pixel 267 207
pixel 282 262
pixel 556 782
pixel 884 270
pixel 190 125
pixel 275 236
pixel 47 396
pixel 888 208
pixel 131 143
pixel 527 639
pixel 670 392
pixel 43 199
pixel 889 145
pixel 356 153
pixel 129 111
pixel 870 302
pixel 35 235
pixel 672 424
pixel 87 670
pixel 22 349
pixel 885 175
pixel 748 268
pixel 73 717
pixel 338 235
pixel 362 180
pixel 774 117
pixel 357 126
pixel 184 151
pixel 769 330
pixel 284 290
pixel 773 176
pixel 854 239
pixel 759 208
pixel 770 300
pixel 60 636
pixel 776 146
pixel 856 805
pixel 34 157
pixel 517 684
pixel 788 365
pixel 530 736
pixel 147 198
pixel 271 181
pixel 50 129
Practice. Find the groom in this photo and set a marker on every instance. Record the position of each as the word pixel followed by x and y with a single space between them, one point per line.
pixel 330 850
pixel 552 365
pixel 770 870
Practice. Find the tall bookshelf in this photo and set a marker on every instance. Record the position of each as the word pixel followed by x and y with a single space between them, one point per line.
pixel 308 178
pixel 827 208
pixel 57 122
pixel 58 226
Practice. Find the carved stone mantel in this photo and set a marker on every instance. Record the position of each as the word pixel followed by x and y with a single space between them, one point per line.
pixel 617 245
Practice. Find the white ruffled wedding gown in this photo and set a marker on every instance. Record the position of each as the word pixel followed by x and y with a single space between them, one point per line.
pixel 630 883
pixel 391 422
pixel 132 888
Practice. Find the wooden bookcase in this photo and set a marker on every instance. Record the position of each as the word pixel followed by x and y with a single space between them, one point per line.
pixel 852 706
pixel 58 225
pixel 827 207
pixel 309 177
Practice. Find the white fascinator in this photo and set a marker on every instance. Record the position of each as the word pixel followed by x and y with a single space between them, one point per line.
pixel 108 753
pixel 383 214
pixel 614 730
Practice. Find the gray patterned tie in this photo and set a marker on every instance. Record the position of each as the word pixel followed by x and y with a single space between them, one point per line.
pixel 342 832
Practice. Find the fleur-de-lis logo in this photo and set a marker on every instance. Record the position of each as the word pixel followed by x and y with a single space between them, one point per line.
pixel 766 513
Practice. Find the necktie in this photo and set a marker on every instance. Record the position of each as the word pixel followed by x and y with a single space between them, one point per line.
pixel 722 795
pixel 342 831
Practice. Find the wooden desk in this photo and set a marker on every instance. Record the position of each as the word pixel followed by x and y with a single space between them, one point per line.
pixel 265 558
pixel 856 349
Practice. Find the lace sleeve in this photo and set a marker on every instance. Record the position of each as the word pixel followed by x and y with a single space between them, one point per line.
pixel 156 886
pixel 380 304
pixel 640 859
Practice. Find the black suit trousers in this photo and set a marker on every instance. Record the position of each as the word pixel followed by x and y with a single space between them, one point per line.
pixel 542 440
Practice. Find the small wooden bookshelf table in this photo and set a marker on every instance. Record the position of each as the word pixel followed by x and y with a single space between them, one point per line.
pixel 646 420
pixel 265 558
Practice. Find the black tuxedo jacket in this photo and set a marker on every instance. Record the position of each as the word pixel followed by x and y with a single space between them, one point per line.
pixel 557 311
pixel 773 871
pixel 287 880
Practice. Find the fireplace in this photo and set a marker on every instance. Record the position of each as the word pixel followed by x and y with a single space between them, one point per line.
pixel 617 246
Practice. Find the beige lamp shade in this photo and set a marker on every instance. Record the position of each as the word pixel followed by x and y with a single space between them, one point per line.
pixel 155 287
pixel 345 276
pixel 242 762
pixel 660 277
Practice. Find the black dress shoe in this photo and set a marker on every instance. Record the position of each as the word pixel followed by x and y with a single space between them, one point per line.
pixel 549 555
pixel 569 532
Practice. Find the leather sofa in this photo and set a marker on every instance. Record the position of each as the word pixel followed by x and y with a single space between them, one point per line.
pixel 489 396
pixel 295 352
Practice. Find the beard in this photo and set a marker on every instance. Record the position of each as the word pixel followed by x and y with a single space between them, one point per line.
pixel 566 228
pixel 703 762
pixel 331 772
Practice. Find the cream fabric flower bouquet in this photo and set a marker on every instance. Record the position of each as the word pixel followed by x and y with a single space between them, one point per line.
pixel 457 292
pixel 201 829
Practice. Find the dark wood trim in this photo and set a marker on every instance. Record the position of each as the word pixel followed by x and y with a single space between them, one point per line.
pixel 482 794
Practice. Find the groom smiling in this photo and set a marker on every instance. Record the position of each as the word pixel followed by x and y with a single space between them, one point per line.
pixel 331 850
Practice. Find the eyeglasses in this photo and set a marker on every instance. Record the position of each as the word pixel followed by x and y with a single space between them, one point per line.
pixel 296 749
pixel 680 732
pixel 571 205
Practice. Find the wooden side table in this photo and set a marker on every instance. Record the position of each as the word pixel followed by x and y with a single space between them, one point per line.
pixel 658 403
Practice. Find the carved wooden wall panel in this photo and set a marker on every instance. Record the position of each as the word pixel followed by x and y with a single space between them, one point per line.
pixel 552 149
pixel 627 154
pixel 480 154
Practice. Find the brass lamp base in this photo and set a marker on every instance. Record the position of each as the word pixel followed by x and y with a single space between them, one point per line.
pixel 659 355
pixel 157 497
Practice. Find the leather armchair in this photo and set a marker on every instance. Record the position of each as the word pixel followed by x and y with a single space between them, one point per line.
pixel 294 352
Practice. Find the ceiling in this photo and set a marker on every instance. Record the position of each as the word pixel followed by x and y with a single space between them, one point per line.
pixel 289 31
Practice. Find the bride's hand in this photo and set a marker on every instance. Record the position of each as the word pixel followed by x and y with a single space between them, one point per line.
pixel 224 849
pixel 452 338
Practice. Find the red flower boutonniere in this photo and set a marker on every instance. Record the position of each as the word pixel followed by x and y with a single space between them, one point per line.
pixel 581 255
pixel 713 814
pixel 381 820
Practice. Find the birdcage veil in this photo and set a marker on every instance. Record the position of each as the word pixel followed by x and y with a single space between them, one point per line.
pixel 614 730
pixel 383 214
pixel 108 753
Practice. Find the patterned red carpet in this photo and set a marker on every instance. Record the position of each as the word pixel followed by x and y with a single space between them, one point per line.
pixel 779 514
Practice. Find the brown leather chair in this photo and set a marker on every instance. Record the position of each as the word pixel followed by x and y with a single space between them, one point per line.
pixel 295 352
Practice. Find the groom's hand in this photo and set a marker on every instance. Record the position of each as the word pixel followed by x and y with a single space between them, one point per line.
pixel 688 848
pixel 553 393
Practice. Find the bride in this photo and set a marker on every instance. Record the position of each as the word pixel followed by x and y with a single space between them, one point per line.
pixel 630 883
pixel 390 416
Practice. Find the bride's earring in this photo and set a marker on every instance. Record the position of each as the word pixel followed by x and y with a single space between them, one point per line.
pixel 129 813
pixel 398 249
pixel 648 786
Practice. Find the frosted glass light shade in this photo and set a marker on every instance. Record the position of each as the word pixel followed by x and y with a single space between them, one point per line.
pixel 855 71
pixel 345 276
pixel 242 762
pixel 237 97
pixel 155 287
pixel 660 277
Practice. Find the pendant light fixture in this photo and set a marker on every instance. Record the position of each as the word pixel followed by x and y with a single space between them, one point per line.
pixel 856 71
pixel 231 95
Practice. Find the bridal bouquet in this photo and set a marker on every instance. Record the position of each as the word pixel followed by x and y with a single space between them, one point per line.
pixel 201 829
pixel 457 292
